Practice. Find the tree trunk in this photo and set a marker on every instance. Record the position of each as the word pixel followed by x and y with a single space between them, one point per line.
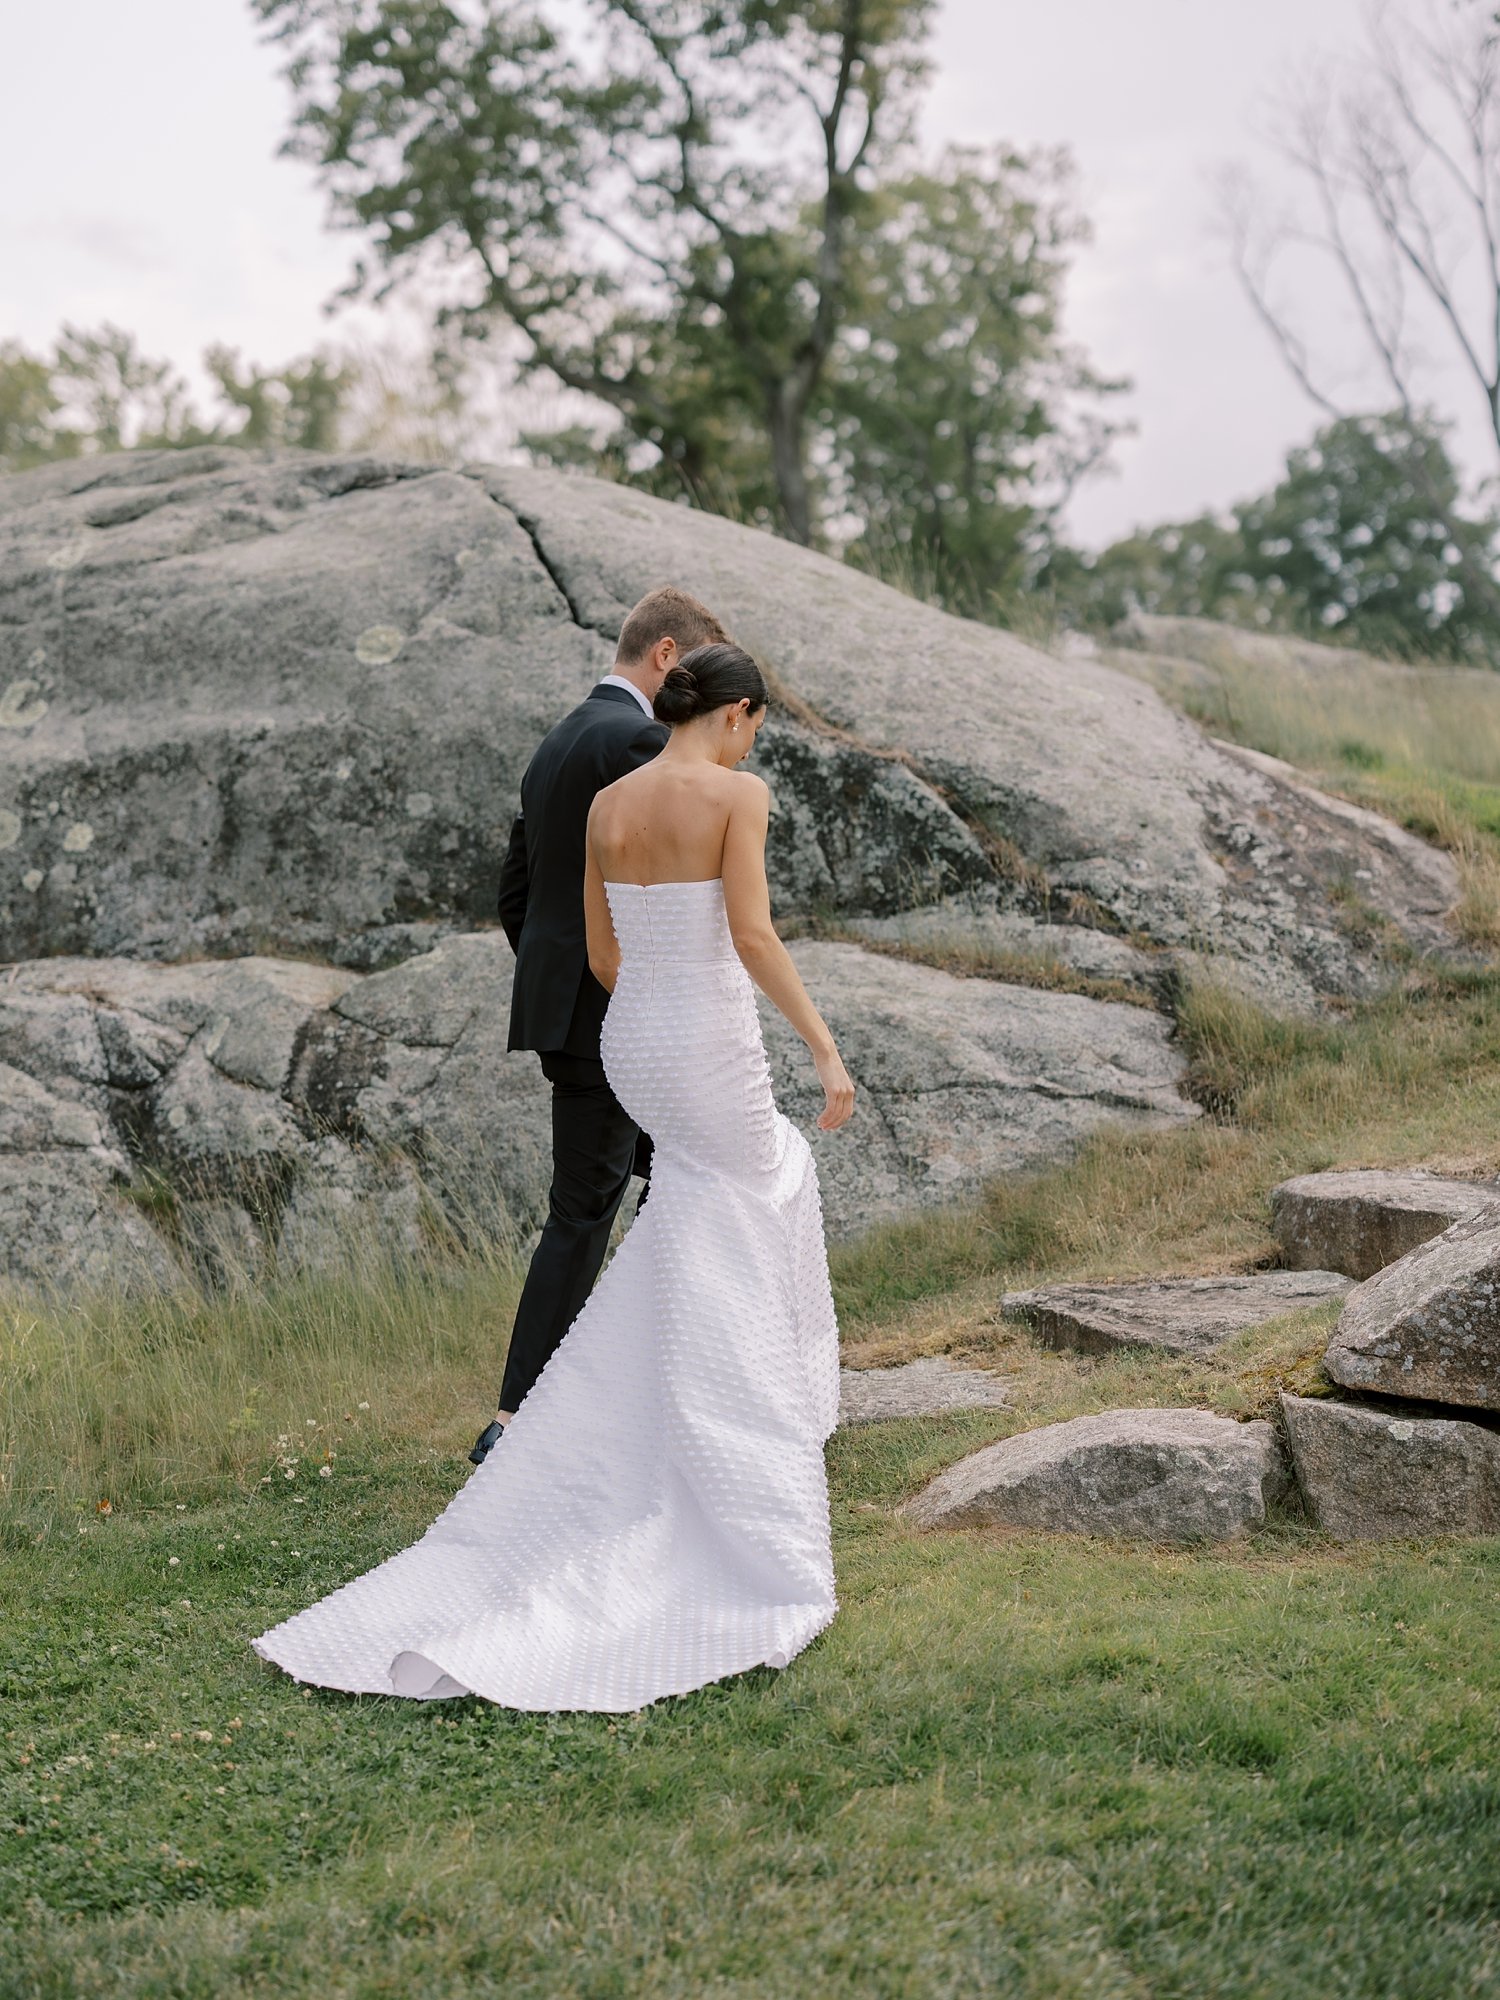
pixel 785 414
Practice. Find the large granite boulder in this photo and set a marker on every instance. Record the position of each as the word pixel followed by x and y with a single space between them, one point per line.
pixel 1161 1475
pixel 257 703
pixel 1366 1471
pixel 1178 1315
pixel 248 1114
pixel 1428 1327
pixel 1359 1221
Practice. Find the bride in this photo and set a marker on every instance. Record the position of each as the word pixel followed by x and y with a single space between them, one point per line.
pixel 657 1517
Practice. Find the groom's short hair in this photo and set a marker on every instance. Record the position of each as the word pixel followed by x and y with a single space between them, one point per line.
pixel 667 613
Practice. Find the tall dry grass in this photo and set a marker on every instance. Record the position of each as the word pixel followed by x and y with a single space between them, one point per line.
pixel 1420 744
pixel 187 1394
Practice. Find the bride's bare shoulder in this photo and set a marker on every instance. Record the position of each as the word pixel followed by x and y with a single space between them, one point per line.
pixel 746 789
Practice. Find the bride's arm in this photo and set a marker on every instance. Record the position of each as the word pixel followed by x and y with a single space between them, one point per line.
pixel 747 902
pixel 604 946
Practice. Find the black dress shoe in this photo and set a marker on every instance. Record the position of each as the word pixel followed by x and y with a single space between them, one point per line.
pixel 486 1441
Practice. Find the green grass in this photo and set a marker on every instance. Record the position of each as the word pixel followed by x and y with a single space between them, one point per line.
pixel 1419 744
pixel 1012 1765
pixel 1413 1077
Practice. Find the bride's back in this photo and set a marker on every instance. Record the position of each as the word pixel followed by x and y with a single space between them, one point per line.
pixel 665 822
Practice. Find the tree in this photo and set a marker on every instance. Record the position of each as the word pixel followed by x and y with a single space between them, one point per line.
pixel 1361 539
pixel 1400 157
pixel 632 191
pixel 98 392
pixel 949 407
pixel 29 407
pixel 298 406
pixel 113 396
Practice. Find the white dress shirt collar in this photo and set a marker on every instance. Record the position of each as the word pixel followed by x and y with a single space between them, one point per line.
pixel 619 681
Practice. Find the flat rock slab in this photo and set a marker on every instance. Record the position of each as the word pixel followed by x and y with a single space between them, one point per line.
pixel 1367 1472
pixel 1161 1475
pixel 1428 1327
pixel 1180 1315
pixel 916 1389
pixel 1360 1221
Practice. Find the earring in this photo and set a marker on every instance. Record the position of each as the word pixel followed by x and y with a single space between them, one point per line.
pixel 734 725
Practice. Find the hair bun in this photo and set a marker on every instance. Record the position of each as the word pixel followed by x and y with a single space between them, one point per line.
pixel 709 677
pixel 678 699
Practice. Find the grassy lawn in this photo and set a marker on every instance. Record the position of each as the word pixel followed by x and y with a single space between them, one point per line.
pixel 1014 1765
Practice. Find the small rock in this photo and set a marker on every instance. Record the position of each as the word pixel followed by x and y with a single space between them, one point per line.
pixel 1365 1471
pixel 1182 1315
pixel 1428 1327
pixel 1162 1475
pixel 1358 1222
pixel 917 1389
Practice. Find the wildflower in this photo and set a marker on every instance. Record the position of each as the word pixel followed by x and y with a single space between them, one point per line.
pixel 325 1472
pixel 173 1561
pixel 104 1507
pixel 312 1423
pixel 203 1735
pixel 364 1406
pixel 182 1506
pixel 186 1603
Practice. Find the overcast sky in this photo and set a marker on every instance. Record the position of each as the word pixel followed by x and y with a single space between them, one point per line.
pixel 138 158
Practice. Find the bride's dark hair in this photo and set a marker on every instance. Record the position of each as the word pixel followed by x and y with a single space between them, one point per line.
pixel 707 678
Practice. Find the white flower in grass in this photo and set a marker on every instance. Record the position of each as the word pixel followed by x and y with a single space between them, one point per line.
pixel 325 1472
pixel 173 1561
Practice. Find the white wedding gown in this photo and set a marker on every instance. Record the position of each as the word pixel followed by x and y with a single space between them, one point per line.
pixel 656 1516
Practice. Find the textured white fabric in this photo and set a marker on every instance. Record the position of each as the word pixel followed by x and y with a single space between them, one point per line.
pixel 657 1515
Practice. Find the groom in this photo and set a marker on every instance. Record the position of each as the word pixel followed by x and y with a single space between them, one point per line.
pixel 557 1005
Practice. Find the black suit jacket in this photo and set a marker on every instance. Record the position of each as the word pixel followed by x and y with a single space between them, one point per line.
pixel 556 1002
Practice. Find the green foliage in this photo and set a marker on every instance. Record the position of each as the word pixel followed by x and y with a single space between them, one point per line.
pixel 29 406
pixel 706 217
pixel 1362 539
pixel 114 396
pixel 299 406
pixel 98 392
pixel 949 407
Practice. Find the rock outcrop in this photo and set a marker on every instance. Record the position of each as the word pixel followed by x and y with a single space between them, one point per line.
pixel 1365 1471
pixel 1179 1315
pixel 260 703
pixel 916 1389
pixel 269 1113
pixel 1162 1475
pixel 1428 1327
pixel 262 723
pixel 1359 1221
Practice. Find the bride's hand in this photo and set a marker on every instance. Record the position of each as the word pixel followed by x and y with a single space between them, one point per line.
pixel 838 1089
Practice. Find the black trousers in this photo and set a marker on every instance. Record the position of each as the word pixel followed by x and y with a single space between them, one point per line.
pixel 595 1148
